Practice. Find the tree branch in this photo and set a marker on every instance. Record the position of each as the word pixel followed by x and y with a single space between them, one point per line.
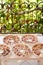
pixel 23 12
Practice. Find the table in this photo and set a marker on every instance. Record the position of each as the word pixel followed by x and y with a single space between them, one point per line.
pixel 25 59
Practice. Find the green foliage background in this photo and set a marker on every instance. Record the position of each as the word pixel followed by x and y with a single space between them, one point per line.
pixel 11 22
